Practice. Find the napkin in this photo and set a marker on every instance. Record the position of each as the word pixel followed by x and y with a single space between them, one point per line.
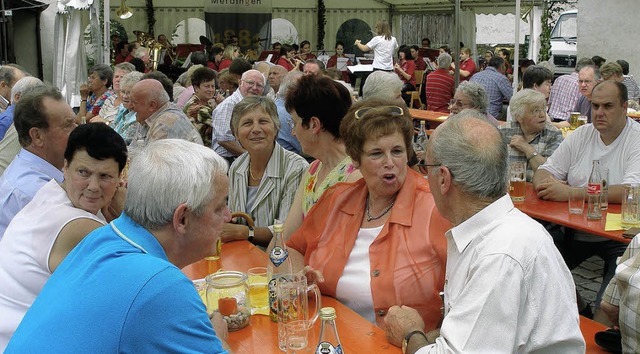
pixel 614 222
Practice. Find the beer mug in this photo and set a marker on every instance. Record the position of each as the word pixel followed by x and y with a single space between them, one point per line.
pixel 517 180
pixel 293 304
pixel 630 206
pixel 573 120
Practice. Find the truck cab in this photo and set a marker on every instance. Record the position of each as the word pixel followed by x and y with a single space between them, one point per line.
pixel 564 41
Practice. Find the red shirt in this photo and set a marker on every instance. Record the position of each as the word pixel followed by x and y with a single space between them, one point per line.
pixel 285 63
pixel 333 63
pixel 439 90
pixel 225 63
pixel 420 64
pixel 408 66
pixel 470 66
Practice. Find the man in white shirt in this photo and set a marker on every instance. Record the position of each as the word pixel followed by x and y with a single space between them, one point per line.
pixel 614 140
pixel 507 289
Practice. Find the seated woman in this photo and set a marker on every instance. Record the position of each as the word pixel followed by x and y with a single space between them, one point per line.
pixel 471 95
pixel 42 234
pixel 94 92
pixel 405 68
pixel 109 109
pixel 287 60
pixel 201 104
pixel 264 179
pixel 317 106
pixel 379 241
pixel 333 62
pixel 125 121
pixel 467 65
pixel 305 51
pixel 530 135
pixel 230 52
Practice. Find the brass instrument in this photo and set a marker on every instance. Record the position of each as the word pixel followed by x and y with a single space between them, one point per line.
pixel 155 48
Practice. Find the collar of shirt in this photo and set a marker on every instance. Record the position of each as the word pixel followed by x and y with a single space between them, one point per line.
pixel 3 102
pixel 35 160
pixel 463 234
pixel 141 236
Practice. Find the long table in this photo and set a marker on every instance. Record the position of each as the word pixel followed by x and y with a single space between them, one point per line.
pixel 432 119
pixel 558 212
pixel 357 335
pixel 261 336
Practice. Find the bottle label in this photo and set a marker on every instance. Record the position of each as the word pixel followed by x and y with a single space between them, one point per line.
pixel 273 297
pixel 328 348
pixel 278 255
pixel 594 188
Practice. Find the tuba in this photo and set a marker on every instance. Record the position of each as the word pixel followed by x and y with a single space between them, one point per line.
pixel 155 48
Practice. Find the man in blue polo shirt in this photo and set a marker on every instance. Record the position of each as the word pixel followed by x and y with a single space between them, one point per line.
pixel 121 289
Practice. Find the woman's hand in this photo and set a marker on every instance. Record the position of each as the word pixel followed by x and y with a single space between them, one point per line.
pixel 314 276
pixel 518 142
pixel 357 42
pixel 84 91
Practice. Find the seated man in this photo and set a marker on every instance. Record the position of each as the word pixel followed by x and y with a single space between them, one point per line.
pixel 588 77
pixel 564 95
pixel 496 85
pixel 440 87
pixel 622 297
pixel 121 289
pixel 34 245
pixel 158 117
pixel 614 140
pixel 43 121
pixel 507 289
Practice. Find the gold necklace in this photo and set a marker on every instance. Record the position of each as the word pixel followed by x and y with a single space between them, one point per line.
pixel 251 174
pixel 384 212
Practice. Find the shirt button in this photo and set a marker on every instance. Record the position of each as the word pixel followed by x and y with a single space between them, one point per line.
pixel 375 273
pixel 382 313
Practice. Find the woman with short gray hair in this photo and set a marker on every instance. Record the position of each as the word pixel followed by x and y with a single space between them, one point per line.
pixel 530 136
pixel 109 109
pixel 471 95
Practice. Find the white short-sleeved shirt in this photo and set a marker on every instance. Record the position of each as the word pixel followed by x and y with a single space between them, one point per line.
pixel 383 50
pixel 573 159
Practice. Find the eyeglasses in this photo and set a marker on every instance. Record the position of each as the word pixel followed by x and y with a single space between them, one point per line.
pixel 456 103
pixel 253 83
pixel 585 82
pixel 393 110
pixel 423 167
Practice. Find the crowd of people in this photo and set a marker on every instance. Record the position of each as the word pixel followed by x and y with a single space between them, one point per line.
pixel 141 179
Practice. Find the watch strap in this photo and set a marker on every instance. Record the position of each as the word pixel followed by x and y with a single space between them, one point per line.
pixel 251 234
pixel 405 342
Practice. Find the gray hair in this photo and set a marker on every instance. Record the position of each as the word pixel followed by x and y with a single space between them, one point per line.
pixel 596 72
pixel 250 103
pixel 381 84
pixel 23 85
pixel 167 173
pixel 523 100
pixel 183 79
pixel 126 66
pixel 253 71
pixel 470 113
pixel 104 72
pixel 8 74
pixel 444 61
pixel 473 151
pixel 131 79
pixel 287 81
pixel 476 94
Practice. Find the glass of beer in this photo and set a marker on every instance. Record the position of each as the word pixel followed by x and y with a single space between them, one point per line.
pixel 517 180
pixel 258 292
pixel 213 262
pixel 573 120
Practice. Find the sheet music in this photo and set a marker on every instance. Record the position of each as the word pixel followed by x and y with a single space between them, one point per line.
pixel 268 60
pixel 360 68
pixel 342 64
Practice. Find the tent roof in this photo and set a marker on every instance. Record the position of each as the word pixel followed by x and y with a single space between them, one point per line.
pixel 16 5
pixel 480 6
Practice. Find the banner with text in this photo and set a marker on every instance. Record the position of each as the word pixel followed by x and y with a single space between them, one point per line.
pixel 246 23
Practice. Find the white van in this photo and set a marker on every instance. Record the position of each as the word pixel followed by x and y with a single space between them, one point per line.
pixel 564 42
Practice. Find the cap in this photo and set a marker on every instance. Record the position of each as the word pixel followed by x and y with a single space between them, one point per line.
pixel 327 313
pixel 278 228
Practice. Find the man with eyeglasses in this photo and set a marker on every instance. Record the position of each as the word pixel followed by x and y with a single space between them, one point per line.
pixel 224 143
pixel 588 77
pixel 565 94
pixel 507 289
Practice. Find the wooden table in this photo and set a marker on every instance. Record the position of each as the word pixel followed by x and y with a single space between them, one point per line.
pixel 558 212
pixel 357 335
pixel 432 119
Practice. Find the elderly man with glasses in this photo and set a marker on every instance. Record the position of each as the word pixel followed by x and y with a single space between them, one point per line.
pixel 588 77
pixel 224 143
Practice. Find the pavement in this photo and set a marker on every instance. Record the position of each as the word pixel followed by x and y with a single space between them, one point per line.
pixel 588 277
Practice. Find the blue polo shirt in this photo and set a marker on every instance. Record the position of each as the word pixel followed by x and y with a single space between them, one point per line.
pixel 110 295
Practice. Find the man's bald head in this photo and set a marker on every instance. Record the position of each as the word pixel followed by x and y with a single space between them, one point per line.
pixel 276 74
pixel 147 97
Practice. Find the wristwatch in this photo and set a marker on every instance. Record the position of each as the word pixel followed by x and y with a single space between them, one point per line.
pixel 535 153
pixel 251 235
pixel 405 341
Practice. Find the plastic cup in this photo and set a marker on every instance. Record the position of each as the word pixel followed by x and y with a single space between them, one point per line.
pixel 576 200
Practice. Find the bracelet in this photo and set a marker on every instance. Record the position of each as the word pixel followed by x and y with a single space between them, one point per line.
pixel 83 100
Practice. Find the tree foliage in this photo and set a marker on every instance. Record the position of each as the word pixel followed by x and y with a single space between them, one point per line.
pixel 550 13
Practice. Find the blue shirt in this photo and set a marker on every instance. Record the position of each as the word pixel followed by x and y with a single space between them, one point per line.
pixel 110 295
pixel 20 182
pixel 285 138
pixel 6 119
pixel 497 87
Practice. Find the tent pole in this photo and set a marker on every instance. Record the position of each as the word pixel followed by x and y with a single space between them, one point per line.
pixel 455 47
pixel 516 48
pixel 106 49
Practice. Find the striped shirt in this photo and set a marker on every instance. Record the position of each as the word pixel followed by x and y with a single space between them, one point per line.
pixel 624 291
pixel 564 96
pixel 439 89
pixel 277 188
pixel 222 123
pixel 545 143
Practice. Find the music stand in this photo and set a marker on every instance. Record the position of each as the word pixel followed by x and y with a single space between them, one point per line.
pixel 430 53
pixel 275 55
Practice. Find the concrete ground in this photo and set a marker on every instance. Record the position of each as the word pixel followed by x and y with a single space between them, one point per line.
pixel 588 277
